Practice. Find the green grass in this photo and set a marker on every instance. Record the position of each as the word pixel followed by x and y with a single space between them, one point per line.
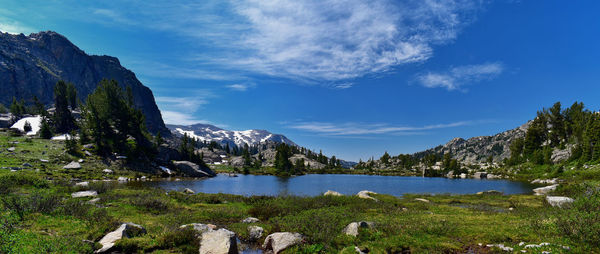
pixel 37 214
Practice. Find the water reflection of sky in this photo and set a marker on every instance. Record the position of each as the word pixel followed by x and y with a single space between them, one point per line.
pixel 311 185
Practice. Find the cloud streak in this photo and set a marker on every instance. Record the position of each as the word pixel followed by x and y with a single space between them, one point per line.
pixel 317 41
pixel 352 129
pixel 180 110
pixel 457 77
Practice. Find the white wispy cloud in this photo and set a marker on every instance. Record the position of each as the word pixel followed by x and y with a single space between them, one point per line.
pixel 181 110
pixel 456 77
pixel 240 87
pixel 320 41
pixel 14 27
pixel 351 128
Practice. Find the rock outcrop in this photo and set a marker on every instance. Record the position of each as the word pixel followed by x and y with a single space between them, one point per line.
pixel 545 190
pixel 559 201
pixel 193 169
pixel 31 65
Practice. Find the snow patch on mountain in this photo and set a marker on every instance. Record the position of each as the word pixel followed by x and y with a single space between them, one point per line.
pixel 208 133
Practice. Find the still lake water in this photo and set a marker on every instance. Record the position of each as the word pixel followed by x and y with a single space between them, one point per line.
pixel 314 184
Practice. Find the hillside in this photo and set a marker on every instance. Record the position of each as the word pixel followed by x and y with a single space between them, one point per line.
pixel 477 150
pixel 31 65
pixel 208 133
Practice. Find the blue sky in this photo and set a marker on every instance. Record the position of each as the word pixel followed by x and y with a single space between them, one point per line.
pixel 353 78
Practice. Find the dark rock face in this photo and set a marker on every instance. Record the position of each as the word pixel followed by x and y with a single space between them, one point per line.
pixel 31 65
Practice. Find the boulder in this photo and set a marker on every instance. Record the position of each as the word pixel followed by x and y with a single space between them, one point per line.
pixel 122 179
pixel 422 200
pixel 126 230
pixel 366 195
pixel 220 241
pixel 352 228
pixel 107 171
pixel 332 193
pixel 250 220
pixel 188 191
pixel 27 165
pixel 281 240
pixel 463 175
pixel 545 190
pixel 193 169
pixel 73 165
pixel 11 149
pixel 558 201
pixel 82 184
pixel 255 233
pixel 450 174
pixel 93 201
pixel 83 194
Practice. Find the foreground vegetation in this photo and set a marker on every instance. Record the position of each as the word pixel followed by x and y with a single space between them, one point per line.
pixel 38 215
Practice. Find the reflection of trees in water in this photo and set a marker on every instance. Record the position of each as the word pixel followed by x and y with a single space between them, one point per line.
pixel 283 184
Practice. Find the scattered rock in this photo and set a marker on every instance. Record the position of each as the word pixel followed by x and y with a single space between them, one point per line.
pixel 82 194
pixel 87 153
pixel 93 201
pixel 107 171
pixel 489 192
pixel 422 200
pixel 80 161
pixel 366 195
pixel 450 174
pixel 250 220
pixel 220 241
pixel 500 246
pixel 492 176
pixel 545 181
pixel 363 250
pixel 332 193
pixel 255 233
pixel 82 184
pixel 122 179
pixel 11 149
pixel 44 160
pixel 121 157
pixel 200 228
pixel 558 201
pixel 352 228
pixel 27 165
pixel 88 146
pixel 545 190
pixel 188 191
pixel 73 165
pixel 127 230
pixel 463 175
pixel 281 240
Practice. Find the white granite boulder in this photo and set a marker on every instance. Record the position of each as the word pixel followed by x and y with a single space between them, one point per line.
pixel 220 241
pixel 126 230
pixel 281 240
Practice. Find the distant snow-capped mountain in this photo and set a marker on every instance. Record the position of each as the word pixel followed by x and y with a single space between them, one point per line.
pixel 207 132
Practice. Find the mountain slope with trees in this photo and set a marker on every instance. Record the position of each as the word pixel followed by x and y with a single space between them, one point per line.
pixel 31 65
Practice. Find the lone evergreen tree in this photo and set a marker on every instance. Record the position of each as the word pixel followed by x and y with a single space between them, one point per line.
pixel 63 119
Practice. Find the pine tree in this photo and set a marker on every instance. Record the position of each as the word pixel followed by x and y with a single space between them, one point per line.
pixel 45 129
pixel 71 93
pixel 282 155
pixel 385 158
pixel 63 119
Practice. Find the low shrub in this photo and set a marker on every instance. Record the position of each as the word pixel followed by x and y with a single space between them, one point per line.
pixel 581 221
pixel 11 180
pixel 185 239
